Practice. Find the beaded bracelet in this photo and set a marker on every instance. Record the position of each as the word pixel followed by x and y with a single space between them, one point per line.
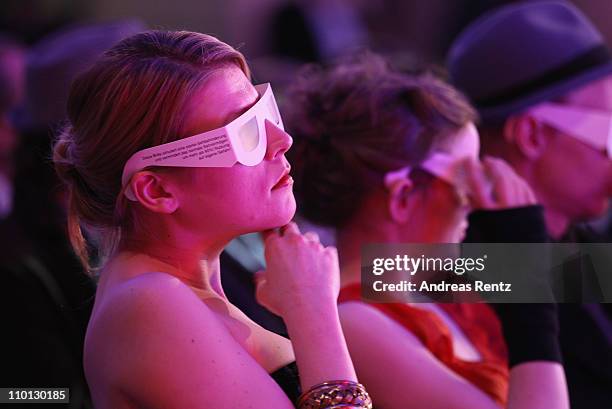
pixel 335 394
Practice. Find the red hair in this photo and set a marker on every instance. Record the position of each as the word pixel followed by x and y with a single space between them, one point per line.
pixel 132 98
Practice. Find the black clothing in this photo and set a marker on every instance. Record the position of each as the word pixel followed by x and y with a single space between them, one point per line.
pixel 516 225
pixel 585 329
pixel 291 35
pixel 239 288
pixel 45 304
pixel 288 379
pixel 531 331
pixel 586 341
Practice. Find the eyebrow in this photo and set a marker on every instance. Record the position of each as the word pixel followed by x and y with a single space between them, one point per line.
pixel 235 114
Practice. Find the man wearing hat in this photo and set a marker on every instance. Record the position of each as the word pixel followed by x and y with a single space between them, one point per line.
pixel 540 75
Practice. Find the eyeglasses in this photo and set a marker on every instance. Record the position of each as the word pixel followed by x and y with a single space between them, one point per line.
pixel 590 126
pixel 447 162
pixel 243 140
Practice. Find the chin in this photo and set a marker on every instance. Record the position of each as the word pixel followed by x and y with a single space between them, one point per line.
pixel 287 214
pixel 287 210
pixel 280 215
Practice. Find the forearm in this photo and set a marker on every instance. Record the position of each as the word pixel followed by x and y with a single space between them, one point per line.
pixel 538 384
pixel 319 344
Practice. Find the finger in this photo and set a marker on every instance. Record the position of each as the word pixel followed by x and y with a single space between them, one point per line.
pixel 523 188
pixel 260 295
pixel 289 228
pixel 502 164
pixel 524 191
pixel 259 276
pixel 527 192
pixel 520 192
pixel 514 194
pixel 269 234
pixel 532 196
pixel 312 237
pixel 502 187
pixel 477 185
pixel 331 251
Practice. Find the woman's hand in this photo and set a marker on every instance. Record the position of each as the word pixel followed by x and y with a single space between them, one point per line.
pixel 493 184
pixel 301 284
pixel 300 272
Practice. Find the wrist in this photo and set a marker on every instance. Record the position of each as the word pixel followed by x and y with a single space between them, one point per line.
pixel 300 310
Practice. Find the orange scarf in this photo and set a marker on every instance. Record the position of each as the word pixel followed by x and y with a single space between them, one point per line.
pixel 478 322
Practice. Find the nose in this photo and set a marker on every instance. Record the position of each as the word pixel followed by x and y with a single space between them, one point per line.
pixel 279 141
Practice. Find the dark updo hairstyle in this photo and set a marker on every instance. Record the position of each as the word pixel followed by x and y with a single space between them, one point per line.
pixel 356 121
pixel 132 98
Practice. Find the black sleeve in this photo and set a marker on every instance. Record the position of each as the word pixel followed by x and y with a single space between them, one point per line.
pixel 531 331
pixel 517 225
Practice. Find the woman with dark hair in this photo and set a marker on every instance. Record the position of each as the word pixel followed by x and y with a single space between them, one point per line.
pixel 385 157
pixel 169 153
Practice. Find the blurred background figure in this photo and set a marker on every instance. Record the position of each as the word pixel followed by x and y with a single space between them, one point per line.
pixel 11 96
pixel 540 75
pixel 46 298
pixel 317 30
pixel 541 94
pixel 378 155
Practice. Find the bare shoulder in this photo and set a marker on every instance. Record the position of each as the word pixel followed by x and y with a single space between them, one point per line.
pixel 147 303
pixel 151 290
pixel 151 300
pixel 139 325
pixel 154 330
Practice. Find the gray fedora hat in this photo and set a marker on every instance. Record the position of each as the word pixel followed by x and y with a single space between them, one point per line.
pixel 522 54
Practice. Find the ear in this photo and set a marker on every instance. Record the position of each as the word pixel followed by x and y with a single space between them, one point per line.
pixel 154 192
pixel 398 202
pixel 527 135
